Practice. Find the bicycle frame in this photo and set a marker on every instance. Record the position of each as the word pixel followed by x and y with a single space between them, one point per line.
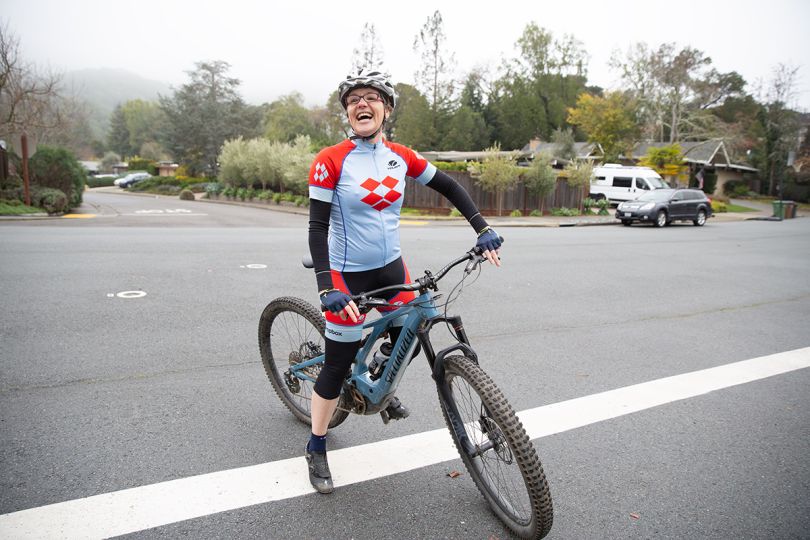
pixel 419 317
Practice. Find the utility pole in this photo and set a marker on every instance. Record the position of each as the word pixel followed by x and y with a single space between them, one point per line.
pixel 24 146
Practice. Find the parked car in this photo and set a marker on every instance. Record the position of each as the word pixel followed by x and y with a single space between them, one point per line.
pixel 131 179
pixel 663 206
pixel 619 183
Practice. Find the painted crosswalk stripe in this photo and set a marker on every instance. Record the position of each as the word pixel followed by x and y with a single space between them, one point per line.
pixel 145 507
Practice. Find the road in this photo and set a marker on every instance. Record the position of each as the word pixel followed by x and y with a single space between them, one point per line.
pixel 101 393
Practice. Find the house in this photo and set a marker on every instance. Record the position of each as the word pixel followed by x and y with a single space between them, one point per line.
pixel 166 168
pixel 709 156
pixel 582 150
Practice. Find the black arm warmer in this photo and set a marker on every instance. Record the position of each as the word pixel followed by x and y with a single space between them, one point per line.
pixel 452 190
pixel 319 241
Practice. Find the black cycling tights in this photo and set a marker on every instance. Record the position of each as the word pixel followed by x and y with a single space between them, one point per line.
pixel 339 357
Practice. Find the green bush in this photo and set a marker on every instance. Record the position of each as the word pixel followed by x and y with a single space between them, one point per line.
pixel 587 204
pixel 141 164
pixel 53 201
pixel 288 196
pixel 94 182
pixel 241 193
pixel 516 213
pixel 57 168
pixel 152 185
pixel 300 200
pixel 536 213
pixel 719 206
pixel 451 165
pixel 186 195
pixel 276 198
pixel 564 211
pixel 250 194
pixel 603 205
pixel 265 195
pixel 454 212
pixel 166 189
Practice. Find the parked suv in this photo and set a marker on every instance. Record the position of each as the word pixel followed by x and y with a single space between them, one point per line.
pixel 619 183
pixel 663 206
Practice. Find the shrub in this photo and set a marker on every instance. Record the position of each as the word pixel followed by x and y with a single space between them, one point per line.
pixel 536 213
pixel 53 201
pixel 166 189
pixel 250 193
pixel 57 168
pixel 515 213
pixel 93 182
pixel 241 193
pixel 141 164
pixel 603 207
pixel 719 206
pixel 288 196
pixel 564 211
pixel 213 189
pixel 454 212
pixel 265 195
pixel 587 204
pixel 450 165
pixel 276 198
pixel 186 195
pixel 155 183
pixel 300 200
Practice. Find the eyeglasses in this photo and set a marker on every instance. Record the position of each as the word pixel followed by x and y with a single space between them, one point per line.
pixel 369 98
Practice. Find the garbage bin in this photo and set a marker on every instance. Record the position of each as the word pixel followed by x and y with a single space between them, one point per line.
pixel 784 209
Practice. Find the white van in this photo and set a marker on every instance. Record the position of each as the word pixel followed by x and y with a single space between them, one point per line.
pixel 618 183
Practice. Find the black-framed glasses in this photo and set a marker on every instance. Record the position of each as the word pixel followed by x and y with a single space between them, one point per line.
pixel 368 97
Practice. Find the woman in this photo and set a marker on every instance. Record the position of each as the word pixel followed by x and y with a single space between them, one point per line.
pixel 355 191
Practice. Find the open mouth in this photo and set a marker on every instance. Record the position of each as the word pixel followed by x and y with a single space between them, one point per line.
pixel 364 116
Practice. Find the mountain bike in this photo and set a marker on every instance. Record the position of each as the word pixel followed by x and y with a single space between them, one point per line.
pixel 489 437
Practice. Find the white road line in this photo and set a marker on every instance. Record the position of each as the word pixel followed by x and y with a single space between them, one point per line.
pixel 140 508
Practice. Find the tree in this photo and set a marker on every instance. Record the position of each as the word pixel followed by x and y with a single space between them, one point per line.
pixel 675 89
pixel 497 173
pixel 578 174
pixel 778 125
pixel 144 123
pixel 368 55
pixel 57 168
pixel 466 131
pixel 540 178
pixel 118 133
pixel 109 160
pixel 288 118
pixel 410 122
pixel 608 121
pixel 667 161
pixel 29 99
pixel 203 113
pixel 563 140
pixel 435 78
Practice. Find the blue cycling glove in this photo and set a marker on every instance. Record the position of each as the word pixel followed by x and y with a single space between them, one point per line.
pixel 488 240
pixel 335 300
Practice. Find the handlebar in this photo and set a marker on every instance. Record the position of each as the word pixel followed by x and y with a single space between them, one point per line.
pixel 366 300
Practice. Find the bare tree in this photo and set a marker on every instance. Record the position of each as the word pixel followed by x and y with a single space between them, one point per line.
pixel 29 100
pixel 369 54
pixel 435 78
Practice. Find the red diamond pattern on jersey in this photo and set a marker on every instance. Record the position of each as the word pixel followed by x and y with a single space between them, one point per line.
pixel 382 194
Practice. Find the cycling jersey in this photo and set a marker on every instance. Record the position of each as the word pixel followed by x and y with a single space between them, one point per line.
pixel 365 183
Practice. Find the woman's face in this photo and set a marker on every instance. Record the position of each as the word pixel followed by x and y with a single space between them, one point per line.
pixel 366 110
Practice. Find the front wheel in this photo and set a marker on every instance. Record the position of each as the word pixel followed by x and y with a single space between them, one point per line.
pixel 660 219
pixel 291 331
pixel 627 222
pixel 503 462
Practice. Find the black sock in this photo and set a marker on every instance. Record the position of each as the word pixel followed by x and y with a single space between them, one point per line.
pixel 317 443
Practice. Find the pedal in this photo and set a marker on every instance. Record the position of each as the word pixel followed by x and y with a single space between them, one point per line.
pixel 395 411
pixel 384 416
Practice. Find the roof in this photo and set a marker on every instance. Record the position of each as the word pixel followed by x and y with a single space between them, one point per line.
pixel 583 149
pixel 710 153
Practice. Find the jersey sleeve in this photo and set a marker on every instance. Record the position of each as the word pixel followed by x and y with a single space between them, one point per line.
pixel 323 177
pixel 419 168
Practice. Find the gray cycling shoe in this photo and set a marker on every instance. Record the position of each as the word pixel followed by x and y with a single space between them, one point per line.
pixel 319 475
pixel 394 411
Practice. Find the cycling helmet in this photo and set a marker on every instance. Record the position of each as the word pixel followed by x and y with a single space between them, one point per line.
pixel 372 79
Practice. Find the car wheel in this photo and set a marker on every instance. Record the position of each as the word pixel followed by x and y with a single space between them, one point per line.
pixel 660 219
pixel 700 221
pixel 627 222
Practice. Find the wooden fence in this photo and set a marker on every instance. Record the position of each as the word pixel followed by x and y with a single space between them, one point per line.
pixel 516 198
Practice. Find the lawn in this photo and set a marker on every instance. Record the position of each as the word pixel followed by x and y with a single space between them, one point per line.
pixel 7 209
pixel 737 208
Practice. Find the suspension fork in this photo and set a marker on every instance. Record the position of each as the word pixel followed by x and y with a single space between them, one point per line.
pixel 436 362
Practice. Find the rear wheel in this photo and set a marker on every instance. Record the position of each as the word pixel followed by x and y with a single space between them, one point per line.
pixel 660 218
pixel 291 331
pixel 700 220
pixel 504 465
pixel 627 222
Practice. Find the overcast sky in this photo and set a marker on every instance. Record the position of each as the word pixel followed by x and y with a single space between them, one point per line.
pixel 278 47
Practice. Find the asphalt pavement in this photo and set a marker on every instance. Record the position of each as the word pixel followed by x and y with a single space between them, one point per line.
pixel 130 361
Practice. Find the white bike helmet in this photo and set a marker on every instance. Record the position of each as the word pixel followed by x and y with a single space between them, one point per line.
pixel 373 79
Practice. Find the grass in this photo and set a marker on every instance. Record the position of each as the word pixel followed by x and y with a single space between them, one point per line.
pixel 18 209
pixel 737 208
